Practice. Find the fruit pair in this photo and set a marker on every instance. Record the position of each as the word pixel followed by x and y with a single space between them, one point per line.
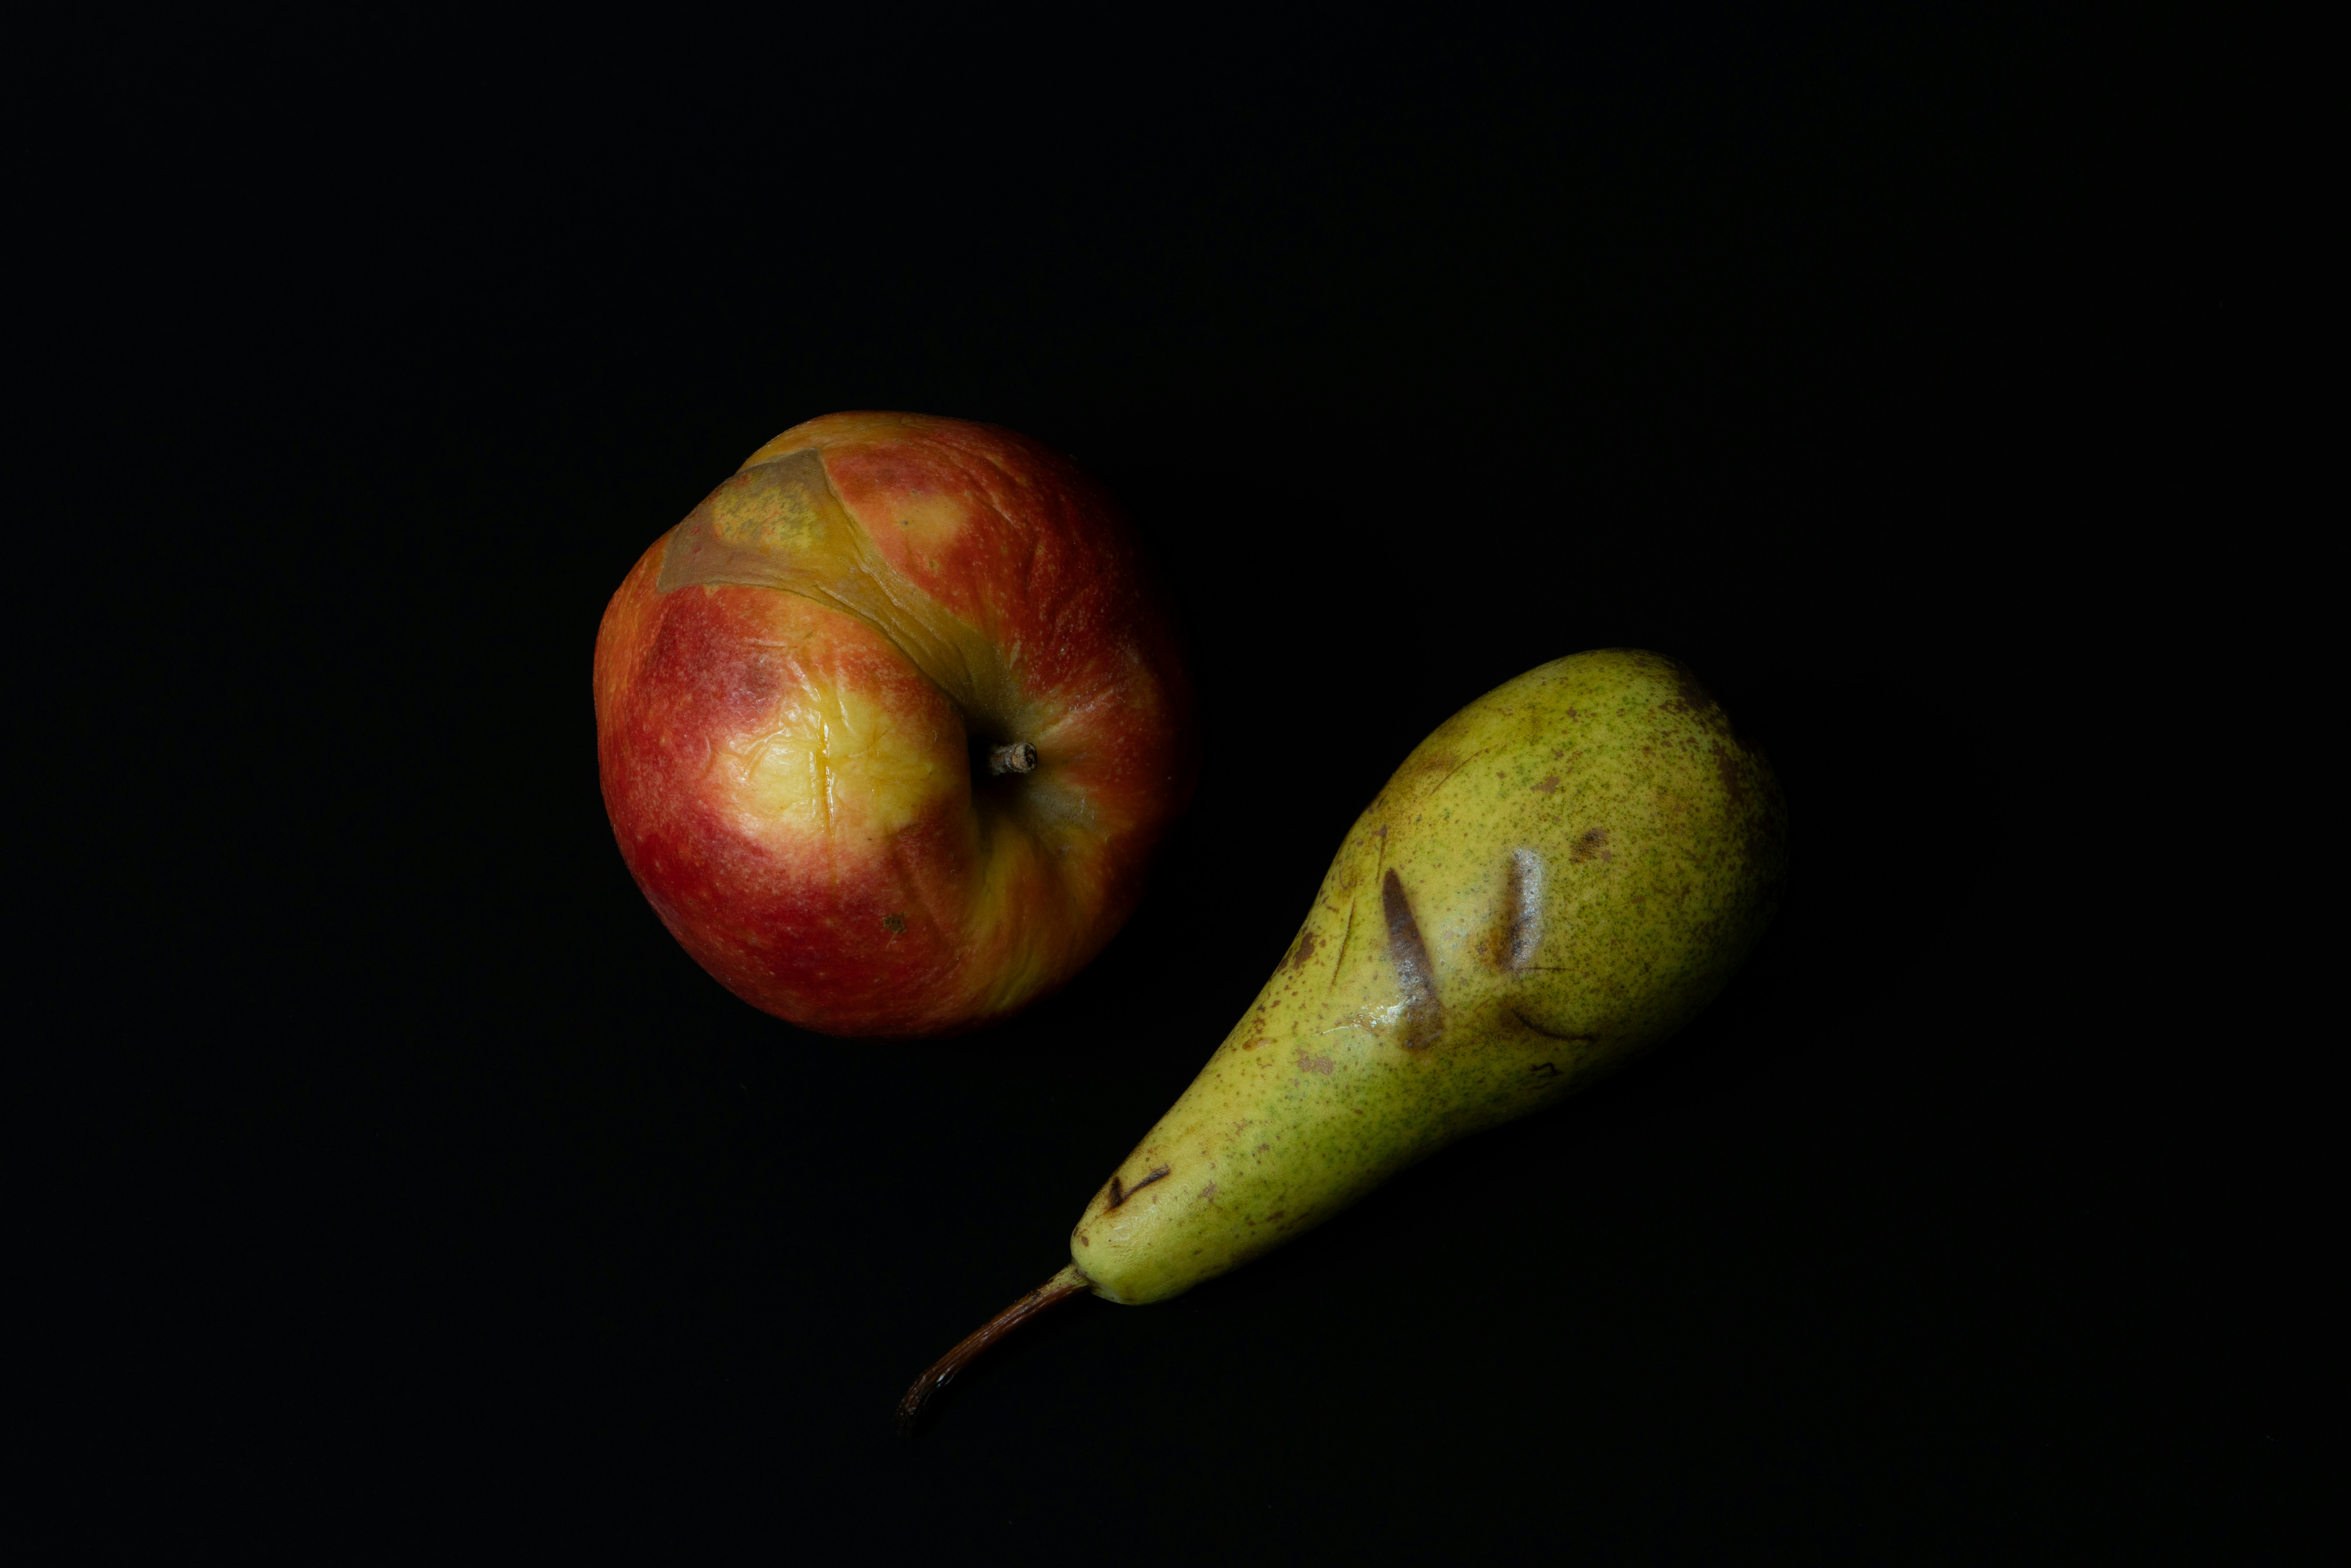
pixel 788 686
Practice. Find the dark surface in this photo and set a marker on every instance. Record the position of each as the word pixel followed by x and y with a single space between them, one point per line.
pixel 439 1179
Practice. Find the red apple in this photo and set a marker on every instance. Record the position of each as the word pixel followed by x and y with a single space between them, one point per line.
pixel 798 693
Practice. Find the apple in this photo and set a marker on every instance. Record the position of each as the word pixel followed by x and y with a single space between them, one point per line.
pixel 890 724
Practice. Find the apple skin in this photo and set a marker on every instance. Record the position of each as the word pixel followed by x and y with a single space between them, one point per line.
pixel 794 688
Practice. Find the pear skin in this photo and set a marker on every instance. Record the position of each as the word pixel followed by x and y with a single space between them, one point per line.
pixel 1558 878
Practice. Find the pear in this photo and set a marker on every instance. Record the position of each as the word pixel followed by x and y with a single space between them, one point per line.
pixel 1558 877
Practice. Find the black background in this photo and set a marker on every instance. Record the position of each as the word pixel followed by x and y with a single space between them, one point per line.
pixel 439 1182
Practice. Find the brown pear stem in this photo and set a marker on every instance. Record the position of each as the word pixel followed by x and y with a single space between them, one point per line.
pixel 1058 1289
pixel 1018 757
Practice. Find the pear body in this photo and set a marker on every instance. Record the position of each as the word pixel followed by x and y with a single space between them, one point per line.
pixel 1561 875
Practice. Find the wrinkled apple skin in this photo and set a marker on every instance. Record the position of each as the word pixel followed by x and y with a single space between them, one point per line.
pixel 792 687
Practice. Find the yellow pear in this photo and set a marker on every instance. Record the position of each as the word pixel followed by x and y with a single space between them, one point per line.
pixel 1560 877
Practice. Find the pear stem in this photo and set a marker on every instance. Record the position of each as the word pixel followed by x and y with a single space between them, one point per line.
pixel 1019 756
pixel 1058 1289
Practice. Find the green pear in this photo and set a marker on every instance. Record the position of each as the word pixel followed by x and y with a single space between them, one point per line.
pixel 1558 877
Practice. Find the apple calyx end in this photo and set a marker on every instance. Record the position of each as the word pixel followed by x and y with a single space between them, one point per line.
pixel 1018 757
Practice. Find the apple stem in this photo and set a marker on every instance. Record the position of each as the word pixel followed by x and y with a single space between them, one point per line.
pixel 1058 1289
pixel 1018 757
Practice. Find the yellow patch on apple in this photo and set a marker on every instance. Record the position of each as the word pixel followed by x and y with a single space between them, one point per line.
pixel 831 761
